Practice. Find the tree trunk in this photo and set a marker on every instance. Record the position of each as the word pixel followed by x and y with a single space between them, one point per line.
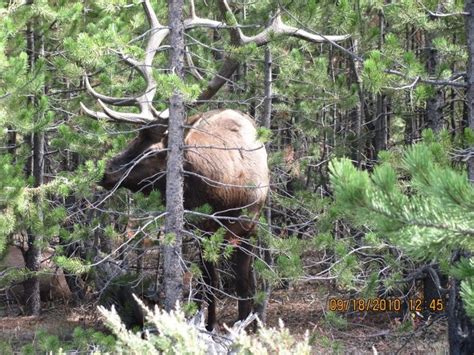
pixel 381 130
pixel 434 105
pixel 32 255
pixel 431 288
pixel 460 327
pixel 470 78
pixel 357 113
pixel 173 268
pixel 267 103
pixel 264 252
pixel 434 120
pixel 11 141
pixel 380 121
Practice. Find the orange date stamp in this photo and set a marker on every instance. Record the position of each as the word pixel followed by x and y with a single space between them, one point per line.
pixel 385 305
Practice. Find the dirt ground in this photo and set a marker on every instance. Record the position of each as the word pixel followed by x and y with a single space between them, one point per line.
pixel 57 319
pixel 302 307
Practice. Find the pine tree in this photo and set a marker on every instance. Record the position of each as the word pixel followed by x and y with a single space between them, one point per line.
pixel 423 204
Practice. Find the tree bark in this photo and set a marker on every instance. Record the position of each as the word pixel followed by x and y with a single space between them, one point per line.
pixel 32 255
pixel 11 141
pixel 381 129
pixel 434 105
pixel 264 252
pixel 267 103
pixel 357 113
pixel 380 121
pixel 434 120
pixel 470 78
pixel 460 327
pixel 172 253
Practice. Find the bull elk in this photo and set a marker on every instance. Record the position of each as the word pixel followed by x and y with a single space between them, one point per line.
pixel 225 166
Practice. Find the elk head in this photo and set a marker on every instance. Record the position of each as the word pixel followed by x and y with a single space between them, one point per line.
pixel 141 166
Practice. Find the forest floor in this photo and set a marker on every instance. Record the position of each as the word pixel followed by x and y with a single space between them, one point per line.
pixel 302 307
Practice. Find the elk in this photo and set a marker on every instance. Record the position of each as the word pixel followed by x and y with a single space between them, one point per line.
pixel 225 165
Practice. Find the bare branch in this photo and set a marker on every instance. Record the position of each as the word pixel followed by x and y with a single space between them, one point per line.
pixel 440 11
pixel 449 82
pixel 463 154
pixel 439 14
pixel 405 87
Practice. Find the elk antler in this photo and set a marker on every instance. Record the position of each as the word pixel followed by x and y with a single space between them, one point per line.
pixel 147 112
pixel 158 33
pixel 276 27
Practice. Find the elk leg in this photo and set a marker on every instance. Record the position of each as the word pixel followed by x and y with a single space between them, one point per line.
pixel 210 285
pixel 242 265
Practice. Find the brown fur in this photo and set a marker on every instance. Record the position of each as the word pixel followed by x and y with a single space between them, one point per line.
pixel 225 167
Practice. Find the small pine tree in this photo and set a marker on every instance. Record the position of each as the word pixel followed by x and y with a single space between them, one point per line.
pixel 419 202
